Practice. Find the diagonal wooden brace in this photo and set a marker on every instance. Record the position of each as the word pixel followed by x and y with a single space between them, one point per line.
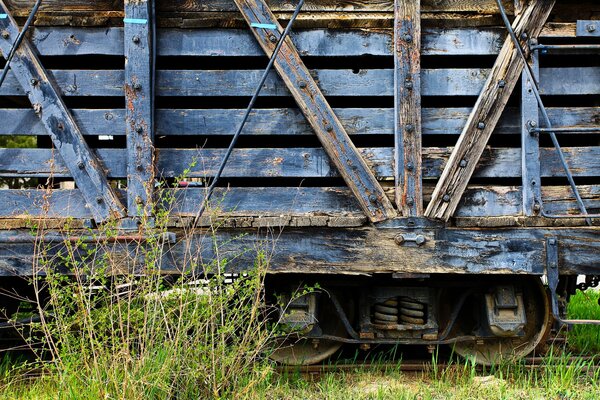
pixel 60 125
pixel 317 111
pixel 486 113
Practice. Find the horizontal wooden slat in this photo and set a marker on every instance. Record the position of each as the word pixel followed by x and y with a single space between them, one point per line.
pixel 315 202
pixel 367 82
pixel 297 162
pixel 59 41
pixel 283 121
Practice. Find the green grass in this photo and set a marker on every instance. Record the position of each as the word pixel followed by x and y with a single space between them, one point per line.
pixel 585 338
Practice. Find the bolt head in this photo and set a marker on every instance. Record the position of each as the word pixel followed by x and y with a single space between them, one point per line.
pixel 537 207
pixel 410 202
pixel 5 35
pixel 137 86
pixel 463 163
pixel 409 127
pixel 302 84
pixel 408 38
pixel 410 166
pixel 446 198
pixel 524 35
pixel 328 127
pixel 33 81
pixel 139 130
pixel 532 124
pixel 80 165
pixel 591 28
pixel 552 241
pixel 99 200
pixel 140 167
pixel 420 240
pixel 481 125
pixel 399 239
pixel 502 83
pixel 373 199
pixel 408 84
pixel 273 38
pixel 136 39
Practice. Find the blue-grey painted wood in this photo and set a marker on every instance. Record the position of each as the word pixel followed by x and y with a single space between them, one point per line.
pixel 355 251
pixel 139 101
pixel 530 144
pixel 32 79
pixel 371 82
pixel 407 107
pixel 59 41
pixel 478 201
pixel 284 121
pixel 296 162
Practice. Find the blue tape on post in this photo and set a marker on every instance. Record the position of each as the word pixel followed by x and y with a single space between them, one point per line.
pixel 135 21
pixel 3 16
pixel 263 26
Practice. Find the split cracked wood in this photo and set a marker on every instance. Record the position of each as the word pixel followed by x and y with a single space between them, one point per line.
pixel 60 125
pixel 314 106
pixel 407 103
pixel 488 109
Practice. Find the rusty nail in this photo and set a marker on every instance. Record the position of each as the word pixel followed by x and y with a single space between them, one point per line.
pixel 5 34
pixel 446 198
pixel 136 39
pixel 273 38
pixel 399 239
pixel 463 163
pixel 302 84
pixel 328 127
pixel 481 125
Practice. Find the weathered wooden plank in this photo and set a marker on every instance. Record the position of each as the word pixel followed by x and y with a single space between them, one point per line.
pixel 59 41
pixel 484 117
pixel 315 203
pixel 367 82
pixel 314 106
pixel 407 107
pixel 60 125
pixel 284 121
pixel 297 162
pixel 483 6
pixel 530 144
pixel 139 106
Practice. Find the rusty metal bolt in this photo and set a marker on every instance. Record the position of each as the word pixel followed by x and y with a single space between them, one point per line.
pixel 273 38
pixel 136 39
pixel 302 84
pixel 463 163
pixel 481 125
pixel 399 239
pixel 446 198
pixel 420 240
pixel 591 28
pixel 5 34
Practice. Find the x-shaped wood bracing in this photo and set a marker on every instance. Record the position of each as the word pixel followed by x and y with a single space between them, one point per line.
pixel 314 106
pixel 60 125
pixel 486 113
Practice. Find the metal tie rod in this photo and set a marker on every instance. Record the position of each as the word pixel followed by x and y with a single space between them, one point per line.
pixel 538 97
pixel 217 176
pixel 20 38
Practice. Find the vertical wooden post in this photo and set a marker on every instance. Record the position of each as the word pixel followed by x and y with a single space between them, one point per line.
pixel 530 144
pixel 407 105
pixel 138 106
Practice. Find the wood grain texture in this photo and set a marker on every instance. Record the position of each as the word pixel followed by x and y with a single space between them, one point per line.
pixel 407 104
pixel 317 111
pixel 60 125
pixel 485 115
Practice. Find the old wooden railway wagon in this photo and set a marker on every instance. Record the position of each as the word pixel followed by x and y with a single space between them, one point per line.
pixel 428 163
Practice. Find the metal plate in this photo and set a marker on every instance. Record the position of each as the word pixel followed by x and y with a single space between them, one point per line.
pixel 588 28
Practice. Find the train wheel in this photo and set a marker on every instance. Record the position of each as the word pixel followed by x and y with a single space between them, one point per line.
pixel 295 350
pixel 492 351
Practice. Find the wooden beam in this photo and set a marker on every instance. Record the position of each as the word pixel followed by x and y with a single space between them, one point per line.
pixel 316 109
pixel 484 117
pixel 60 125
pixel 139 118
pixel 407 103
